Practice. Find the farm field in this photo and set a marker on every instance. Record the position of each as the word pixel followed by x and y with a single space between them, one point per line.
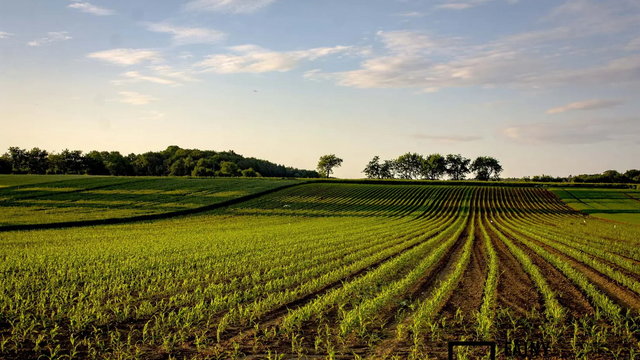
pixel 42 199
pixel 337 271
pixel 612 204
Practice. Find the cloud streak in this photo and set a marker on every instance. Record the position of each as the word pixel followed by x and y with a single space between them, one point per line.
pixel 255 59
pixel 448 139
pixel 585 105
pixel 125 57
pixel 188 35
pixel 582 131
pixel 5 35
pixel 50 38
pixel 135 98
pixel 228 6
pixel 89 8
pixel 535 59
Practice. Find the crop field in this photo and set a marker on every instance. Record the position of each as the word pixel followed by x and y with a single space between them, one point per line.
pixel 28 199
pixel 330 271
pixel 612 204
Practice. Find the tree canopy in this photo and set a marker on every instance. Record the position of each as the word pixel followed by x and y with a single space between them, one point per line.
pixel 326 163
pixel 173 161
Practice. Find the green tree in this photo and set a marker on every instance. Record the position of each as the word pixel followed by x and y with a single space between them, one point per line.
pixel 249 173
pixel 94 163
pixel 372 170
pixel 19 160
pixel 326 163
pixel 5 164
pixel 409 165
pixel 38 161
pixel 204 167
pixel 457 166
pixel 434 167
pixel 228 168
pixel 486 168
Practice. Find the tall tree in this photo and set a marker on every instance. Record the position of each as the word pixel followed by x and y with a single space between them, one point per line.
pixel 457 166
pixel 409 165
pixel 19 160
pixel 372 170
pixel 327 163
pixel 38 161
pixel 486 168
pixel 434 166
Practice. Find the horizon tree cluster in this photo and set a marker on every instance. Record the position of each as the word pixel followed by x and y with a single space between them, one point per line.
pixel 173 161
pixel 413 166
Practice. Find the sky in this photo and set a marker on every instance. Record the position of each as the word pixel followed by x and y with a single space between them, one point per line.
pixel 546 87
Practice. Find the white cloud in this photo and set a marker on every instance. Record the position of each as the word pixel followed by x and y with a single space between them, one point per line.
pixel 562 53
pixel 228 6
pixel 575 132
pixel 126 56
pixel 412 14
pixel 188 35
pixel 90 8
pixel 4 35
pixel 135 76
pixel 160 74
pixel 254 59
pixel 633 45
pixel 50 38
pixel 585 105
pixel 135 98
pixel 466 4
pixel 448 139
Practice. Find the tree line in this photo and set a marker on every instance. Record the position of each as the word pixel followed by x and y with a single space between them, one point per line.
pixel 609 176
pixel 173 161
pixel 433 167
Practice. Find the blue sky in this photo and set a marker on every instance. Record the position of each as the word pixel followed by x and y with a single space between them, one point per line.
pixel 544 86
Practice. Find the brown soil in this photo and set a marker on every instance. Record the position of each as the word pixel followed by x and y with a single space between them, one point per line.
pixel 568 295
pixel 618 293
pixel 515 288
pixel 468 296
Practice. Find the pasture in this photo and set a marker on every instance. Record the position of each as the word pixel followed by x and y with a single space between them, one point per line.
pixel 612 204
pixel 44 199
pixel 324 270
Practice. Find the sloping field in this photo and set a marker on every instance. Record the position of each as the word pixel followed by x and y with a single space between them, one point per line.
pixel 612 204
pixel 330 271
pixel 39 199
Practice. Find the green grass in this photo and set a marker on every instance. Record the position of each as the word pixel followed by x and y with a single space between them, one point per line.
pixel 33 199
pixel 612 204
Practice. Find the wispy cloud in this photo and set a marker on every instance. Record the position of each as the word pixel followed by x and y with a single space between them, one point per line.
pixel 582 131
pixel 90 8
pixel 4 35
pixel 412 14
pixel 152 115
pixel 228 6
pixel 159 74
pixel 466 4
pixel 536 59
pixel 50 38
pixel 585 105
pixel 448 138
pixel 135 76
pixel 188 35
pixel 254 59
pixel 135 98
pixel 125 57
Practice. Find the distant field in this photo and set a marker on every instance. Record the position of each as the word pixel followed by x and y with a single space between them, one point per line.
pixel 329 271
pixel 38 199
pixel 612 204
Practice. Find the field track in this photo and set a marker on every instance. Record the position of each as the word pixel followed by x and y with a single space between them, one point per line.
pixel 329 271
